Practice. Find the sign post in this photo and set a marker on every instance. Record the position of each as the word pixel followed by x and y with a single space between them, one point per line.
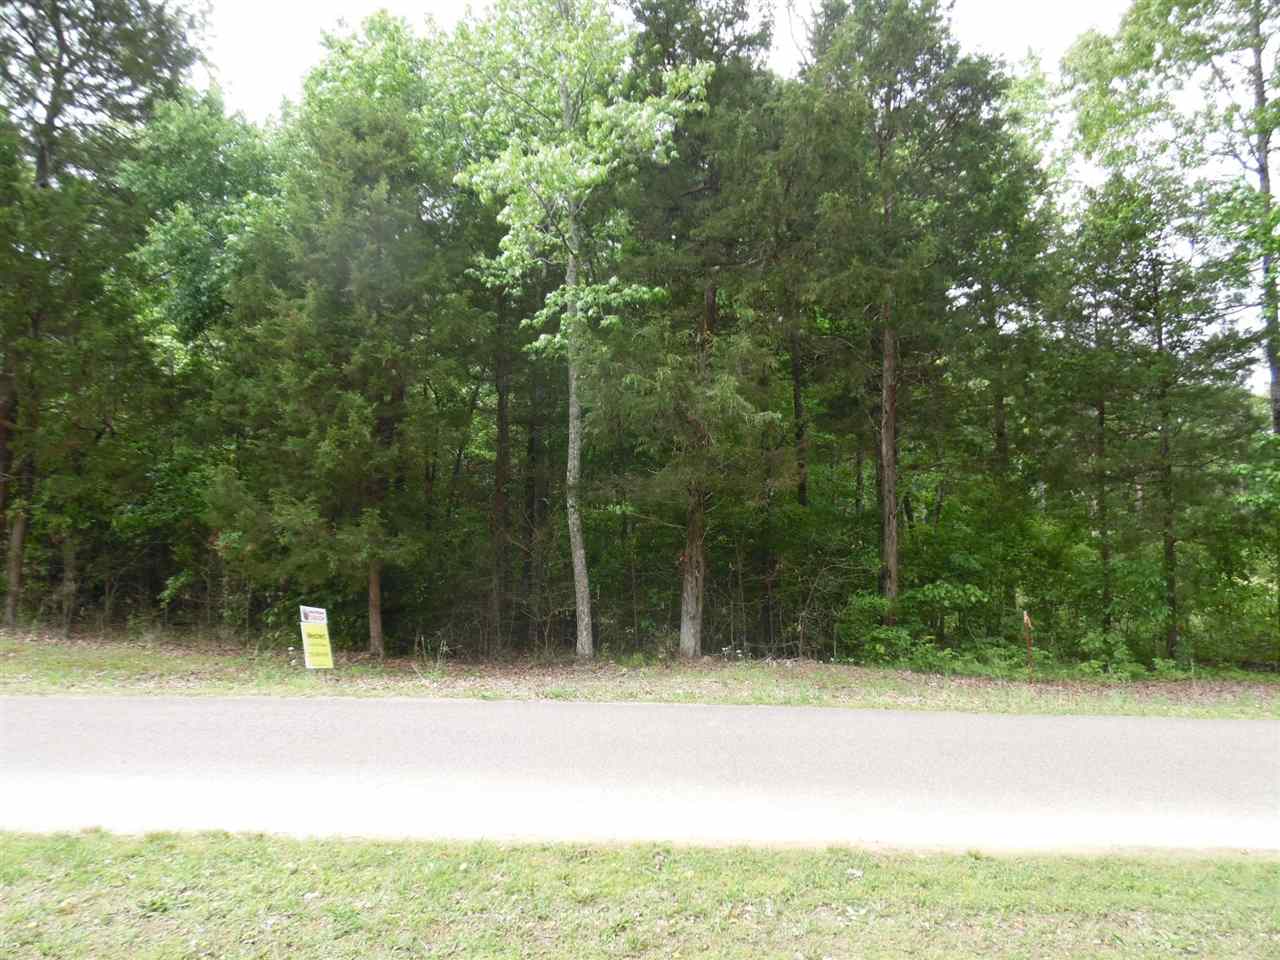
pixel 1026 633
pixel 316 650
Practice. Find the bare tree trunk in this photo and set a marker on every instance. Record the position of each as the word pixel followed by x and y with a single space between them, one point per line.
pixel 8 417
pixel 1000 432
pixel 629 538
pixel 18 541
pixel 764 559
pixel 889 468
pixel 501 523
pixel 1000 452
pixel 17 546
pixel 577 543
pixel 26 485
pixel 534 500
pixel 693 562
pixel 573 469
pixel 1104 515
pixel 801 421
pixel 1272 336
pixel 939 502
pixel 379 486
pixel 1262 159
pixel 455 475
pixel 694 565
pixel 888 474
pixel 429 487
pixel 765 567
pixel 858 469
pixel 70 583
pixel 18 526
pixel 1275 570
pixel 376 645
pixel 1173 639
pixel 1173 643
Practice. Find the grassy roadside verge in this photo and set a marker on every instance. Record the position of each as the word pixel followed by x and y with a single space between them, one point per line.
pixel 215 895
pixel 37 664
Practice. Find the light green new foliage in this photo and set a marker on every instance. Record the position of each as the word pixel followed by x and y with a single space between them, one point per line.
pixel 199 168
pixel 1181 65
pixel 1191 86
pixel 548 77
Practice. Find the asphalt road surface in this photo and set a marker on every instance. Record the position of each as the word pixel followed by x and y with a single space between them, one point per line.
pixel 638 772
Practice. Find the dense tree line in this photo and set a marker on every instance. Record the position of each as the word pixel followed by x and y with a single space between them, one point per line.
pixel 580 328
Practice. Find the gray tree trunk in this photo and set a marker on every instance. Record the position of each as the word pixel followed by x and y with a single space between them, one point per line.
pixel 376 645
pixel 13 572
pixel 573 469
pixel 501 522
pixel 70 584
pixel 535 500
pixel 1104 516
pixel 1173 637
pixel 889 468
pixel 25 486
pixel 1000 431
pixel 694 565
pixel 25 489
pixel 1262 159
pixel 1173 641
pixel 8 416
pixel 693 562
pixel 801 421
pixel 858 481
pixel 577 544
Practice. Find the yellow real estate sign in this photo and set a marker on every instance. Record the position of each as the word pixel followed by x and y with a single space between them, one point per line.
pixel 317 653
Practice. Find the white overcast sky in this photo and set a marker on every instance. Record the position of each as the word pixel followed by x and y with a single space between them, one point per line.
pixel 261 49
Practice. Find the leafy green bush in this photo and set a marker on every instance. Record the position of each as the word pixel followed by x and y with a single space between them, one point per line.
pixel 1107 649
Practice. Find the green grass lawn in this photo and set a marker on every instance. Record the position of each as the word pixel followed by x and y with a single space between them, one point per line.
pixel 98 896
pixel 177 664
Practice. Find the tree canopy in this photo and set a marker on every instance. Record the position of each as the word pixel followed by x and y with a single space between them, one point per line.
pixel 581 329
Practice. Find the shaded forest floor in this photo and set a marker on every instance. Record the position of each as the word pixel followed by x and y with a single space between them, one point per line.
pixel 176 664
pixel 217 895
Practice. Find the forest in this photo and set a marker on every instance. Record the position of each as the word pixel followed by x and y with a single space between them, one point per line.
pixel 577 328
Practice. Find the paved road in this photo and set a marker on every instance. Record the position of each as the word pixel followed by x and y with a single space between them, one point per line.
pixel 624 772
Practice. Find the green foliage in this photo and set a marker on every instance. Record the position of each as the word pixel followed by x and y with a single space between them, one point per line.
pixel 326 361
pixel 76 76
pixel 550 76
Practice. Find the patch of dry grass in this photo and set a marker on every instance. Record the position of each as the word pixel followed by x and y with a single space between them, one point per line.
pixel 32 663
